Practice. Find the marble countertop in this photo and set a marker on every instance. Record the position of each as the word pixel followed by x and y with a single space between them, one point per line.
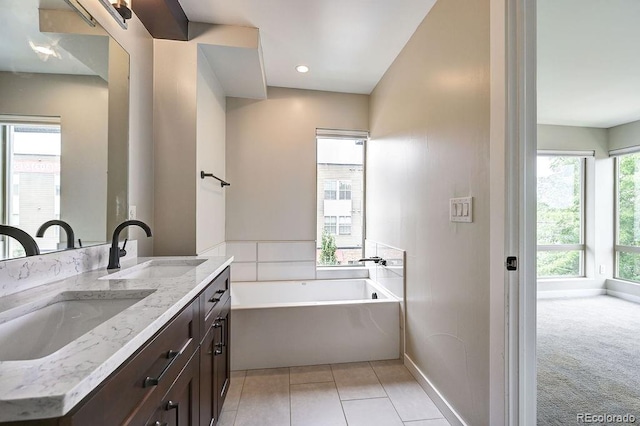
pixel 51 386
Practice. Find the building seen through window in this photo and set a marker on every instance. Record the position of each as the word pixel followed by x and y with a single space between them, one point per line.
pixel 340 201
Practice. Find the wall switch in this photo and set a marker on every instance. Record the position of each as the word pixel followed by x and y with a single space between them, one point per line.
pixel 133 214
pixel 461 209
pixel 603 269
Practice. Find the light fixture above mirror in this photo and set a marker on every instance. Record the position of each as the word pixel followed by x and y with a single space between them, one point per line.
pixel 119 9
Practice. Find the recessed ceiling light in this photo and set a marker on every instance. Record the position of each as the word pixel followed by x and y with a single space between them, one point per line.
pixel 302 68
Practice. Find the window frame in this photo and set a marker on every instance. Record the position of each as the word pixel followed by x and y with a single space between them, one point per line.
pixel 582 246
pixel 341 224
pixel 360 138
pixel 328 224
pixel 335 185
pixel 346 183
pixel 617 247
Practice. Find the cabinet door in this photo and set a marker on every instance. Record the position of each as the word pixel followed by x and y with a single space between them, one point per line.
pixel 156 418
pixel 208 411
pixel 221 357
pixel 181 402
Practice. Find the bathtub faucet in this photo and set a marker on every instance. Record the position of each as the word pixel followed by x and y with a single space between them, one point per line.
pixel 377 259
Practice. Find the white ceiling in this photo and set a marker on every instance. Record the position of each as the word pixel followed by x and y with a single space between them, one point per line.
pixel 588 62
pixel 347 44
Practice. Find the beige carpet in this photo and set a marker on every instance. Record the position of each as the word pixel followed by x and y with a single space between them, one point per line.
pixel 588 359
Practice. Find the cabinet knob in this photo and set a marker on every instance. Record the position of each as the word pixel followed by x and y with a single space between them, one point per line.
pixel 171 405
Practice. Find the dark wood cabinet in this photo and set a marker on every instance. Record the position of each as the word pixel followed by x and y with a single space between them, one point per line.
pixel 215 367
pixel 180 377
pixel 179 407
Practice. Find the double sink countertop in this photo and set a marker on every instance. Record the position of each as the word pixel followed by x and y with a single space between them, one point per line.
pixel 52 385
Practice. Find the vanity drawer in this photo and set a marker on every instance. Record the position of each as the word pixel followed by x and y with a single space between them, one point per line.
pixel 146 377
pixel 214 297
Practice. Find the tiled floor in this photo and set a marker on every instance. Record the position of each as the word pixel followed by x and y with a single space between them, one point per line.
pixel 379 393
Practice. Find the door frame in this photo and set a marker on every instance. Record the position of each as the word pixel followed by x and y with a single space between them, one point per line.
pixel 513 217
pixel 521 205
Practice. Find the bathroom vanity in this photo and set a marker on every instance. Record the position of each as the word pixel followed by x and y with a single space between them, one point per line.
pixel 163 359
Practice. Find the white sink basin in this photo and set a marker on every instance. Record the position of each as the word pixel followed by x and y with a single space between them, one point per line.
pixel 156 268
pixel 41 328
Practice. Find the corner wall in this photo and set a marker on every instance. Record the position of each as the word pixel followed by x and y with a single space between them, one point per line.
pixel 429 124
pixel 598 208
pixel 271 164
pixel 210 157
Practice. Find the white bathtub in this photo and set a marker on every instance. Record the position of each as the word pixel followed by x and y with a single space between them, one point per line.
pixel 293 323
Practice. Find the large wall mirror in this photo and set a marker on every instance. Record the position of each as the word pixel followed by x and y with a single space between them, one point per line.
pixel 64 112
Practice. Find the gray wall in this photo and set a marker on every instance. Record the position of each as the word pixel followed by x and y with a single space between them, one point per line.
pixel 189 136
pixel 174 133
pixel 429 126
pixel 210 153
pixel 624 136
pixel 137 41
pixel 271 160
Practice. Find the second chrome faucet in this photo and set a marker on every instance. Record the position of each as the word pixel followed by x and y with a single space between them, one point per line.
pixel 115 252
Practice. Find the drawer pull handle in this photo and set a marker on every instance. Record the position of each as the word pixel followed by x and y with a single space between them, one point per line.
pixel 154 381
pixel 171 405
pixel 217 323
pixel 218 350
pixel 215 299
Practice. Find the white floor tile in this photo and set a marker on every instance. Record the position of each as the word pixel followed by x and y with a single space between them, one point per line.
pixel 311 374
pixel 407 396
pixel 235 389
pixel 371 412
pixel 265 398
pixel 316 404
pixel 227 418
pixel 357 381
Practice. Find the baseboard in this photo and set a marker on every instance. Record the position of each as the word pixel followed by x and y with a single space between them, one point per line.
pixel 443 405
pixel 625 296
pixel 559 294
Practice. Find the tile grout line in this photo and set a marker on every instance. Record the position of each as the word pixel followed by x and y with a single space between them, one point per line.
pixel 385 391
pixel 240 397
pixel 335 385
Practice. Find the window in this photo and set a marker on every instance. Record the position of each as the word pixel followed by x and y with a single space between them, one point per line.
pixel 628 217
pixel 330 189
pixel 330 225
pixel 345 225
pixel 340 197
pixel 560 216
pixel 345 190
pixel 30 157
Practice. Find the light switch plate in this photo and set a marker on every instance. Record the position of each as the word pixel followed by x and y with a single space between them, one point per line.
pixel 133 212
pixel 461 209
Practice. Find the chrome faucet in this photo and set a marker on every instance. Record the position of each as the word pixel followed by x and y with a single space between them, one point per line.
pixel 115 252
pixel 30 246
pixel 64 225
pixel 377 259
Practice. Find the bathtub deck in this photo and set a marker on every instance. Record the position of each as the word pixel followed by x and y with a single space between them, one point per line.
pixel 377 393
